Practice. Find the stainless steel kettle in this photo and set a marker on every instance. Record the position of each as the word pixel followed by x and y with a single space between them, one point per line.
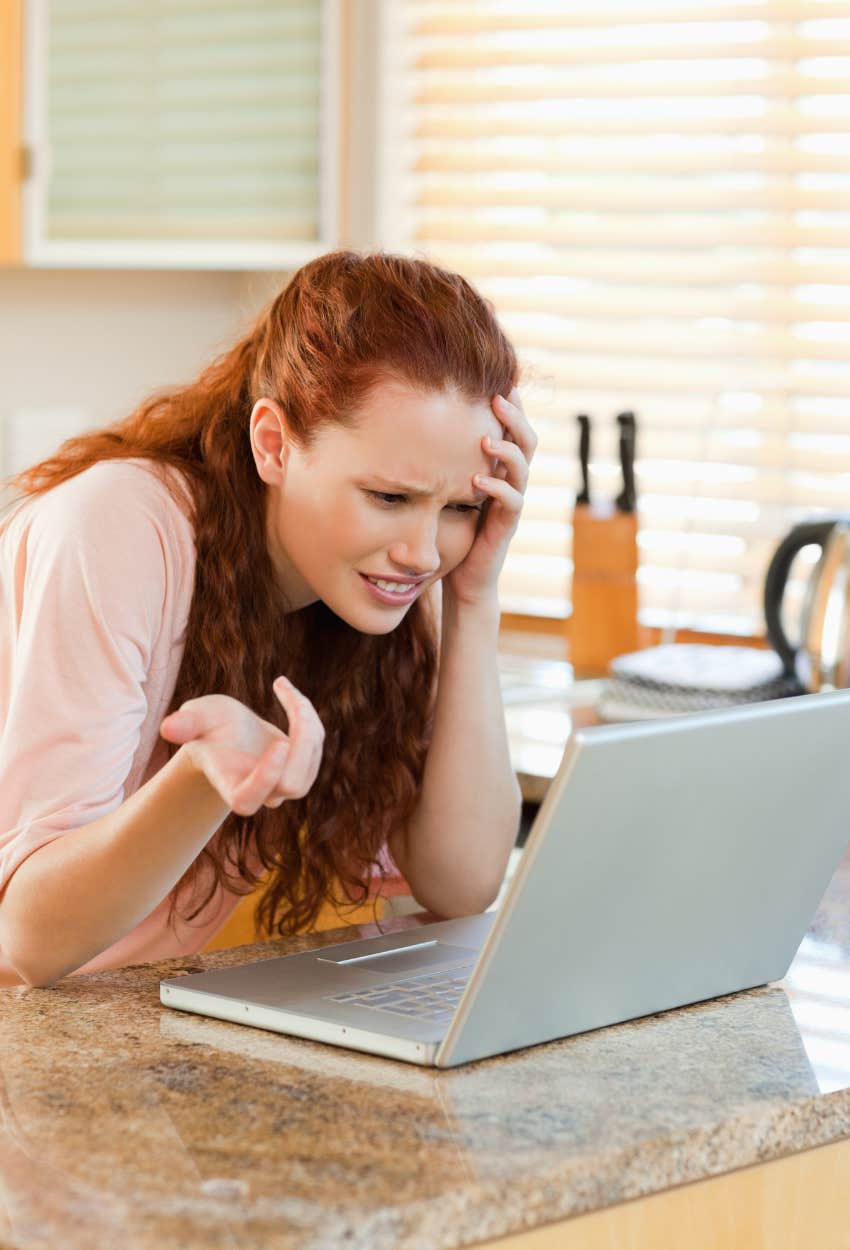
pixel 821 659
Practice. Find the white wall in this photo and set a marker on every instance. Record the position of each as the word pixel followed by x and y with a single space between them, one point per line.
pixel 81 348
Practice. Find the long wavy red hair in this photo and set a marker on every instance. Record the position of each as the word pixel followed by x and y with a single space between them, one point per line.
pixel 343 323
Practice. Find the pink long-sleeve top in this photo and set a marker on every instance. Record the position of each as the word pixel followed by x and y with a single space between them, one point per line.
pixel 96 580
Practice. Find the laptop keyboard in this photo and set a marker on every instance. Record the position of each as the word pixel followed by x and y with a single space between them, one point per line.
pixel 427 996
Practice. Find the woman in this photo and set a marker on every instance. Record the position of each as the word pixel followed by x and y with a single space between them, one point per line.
pixel 260 555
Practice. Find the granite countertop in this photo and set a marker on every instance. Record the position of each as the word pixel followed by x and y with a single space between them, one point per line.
pixel 128 1124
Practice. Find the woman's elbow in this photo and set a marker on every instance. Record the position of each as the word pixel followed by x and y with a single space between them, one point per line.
pixel 458 903
pixel 21 970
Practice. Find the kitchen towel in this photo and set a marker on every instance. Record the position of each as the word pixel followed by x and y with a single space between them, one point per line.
pixel 681 677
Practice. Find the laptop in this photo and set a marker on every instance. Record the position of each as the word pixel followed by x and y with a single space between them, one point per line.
pixel 671 862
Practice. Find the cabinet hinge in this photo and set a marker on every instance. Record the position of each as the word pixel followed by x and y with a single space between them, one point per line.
pixel 26 163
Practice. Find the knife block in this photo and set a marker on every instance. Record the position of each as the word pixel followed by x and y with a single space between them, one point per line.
pixel 604 594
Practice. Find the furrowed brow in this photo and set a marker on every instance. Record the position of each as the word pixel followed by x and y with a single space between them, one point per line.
pixel 416 492
pixel 400 488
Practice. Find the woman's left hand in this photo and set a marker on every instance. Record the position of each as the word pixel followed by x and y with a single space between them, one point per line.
pixel 475 578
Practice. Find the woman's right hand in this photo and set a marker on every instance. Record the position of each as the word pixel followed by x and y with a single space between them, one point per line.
pixel 249 761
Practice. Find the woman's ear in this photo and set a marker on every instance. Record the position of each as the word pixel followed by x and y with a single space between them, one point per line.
pixel 269 441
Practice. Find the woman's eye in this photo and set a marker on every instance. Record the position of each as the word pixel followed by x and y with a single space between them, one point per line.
pixel 385 497
pixel 468 507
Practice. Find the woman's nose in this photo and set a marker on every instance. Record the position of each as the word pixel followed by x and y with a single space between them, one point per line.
pixel 417 551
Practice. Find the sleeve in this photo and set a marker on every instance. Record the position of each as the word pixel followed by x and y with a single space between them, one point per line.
pixel 90 588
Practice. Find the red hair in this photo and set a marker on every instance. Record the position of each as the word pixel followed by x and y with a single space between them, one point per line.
pixel 344 323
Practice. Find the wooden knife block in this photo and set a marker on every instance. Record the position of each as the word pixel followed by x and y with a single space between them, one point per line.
pixel 605 560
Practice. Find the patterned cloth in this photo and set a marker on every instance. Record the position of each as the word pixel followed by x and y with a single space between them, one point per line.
pixel 678 678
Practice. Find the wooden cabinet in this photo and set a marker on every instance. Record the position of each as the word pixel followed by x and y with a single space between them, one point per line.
pixel 800 1202
pixel 11 164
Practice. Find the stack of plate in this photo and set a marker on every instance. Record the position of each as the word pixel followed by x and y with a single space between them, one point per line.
pixel 679 678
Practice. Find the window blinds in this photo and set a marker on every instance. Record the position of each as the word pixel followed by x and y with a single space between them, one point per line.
pixel 183 119
pixel 655 197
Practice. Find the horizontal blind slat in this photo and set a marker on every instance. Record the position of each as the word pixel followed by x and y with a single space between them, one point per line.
pixel 605 231
pixel 783 120
pixel 687 158
pixel 720 268
pixel 684 304
pixel 452 59
pixel 640 195
pixel 743 92
pixel 480 18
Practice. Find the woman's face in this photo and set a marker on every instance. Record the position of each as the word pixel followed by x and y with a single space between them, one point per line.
pixel 390 500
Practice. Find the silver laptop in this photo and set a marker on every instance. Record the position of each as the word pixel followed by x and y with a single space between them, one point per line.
pixel 671 862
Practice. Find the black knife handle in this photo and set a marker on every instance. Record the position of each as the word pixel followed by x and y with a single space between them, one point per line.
pixel 584 456
pixel 627 499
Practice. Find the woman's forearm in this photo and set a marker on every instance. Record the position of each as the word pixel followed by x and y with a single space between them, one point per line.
pixel 457 844
pixel 76 896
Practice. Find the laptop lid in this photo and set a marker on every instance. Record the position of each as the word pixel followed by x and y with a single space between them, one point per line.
pixel 671 862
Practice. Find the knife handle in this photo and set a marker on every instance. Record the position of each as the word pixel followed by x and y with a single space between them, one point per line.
pixel 584 457
pixel 627 499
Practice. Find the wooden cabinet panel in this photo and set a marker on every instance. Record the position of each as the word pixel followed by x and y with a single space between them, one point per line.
pixel 11 45
pixel 801 1202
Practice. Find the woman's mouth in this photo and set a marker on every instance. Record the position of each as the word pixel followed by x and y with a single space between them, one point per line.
pixel 392 592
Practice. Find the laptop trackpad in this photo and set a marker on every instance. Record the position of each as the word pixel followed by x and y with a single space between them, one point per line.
pixel 407 958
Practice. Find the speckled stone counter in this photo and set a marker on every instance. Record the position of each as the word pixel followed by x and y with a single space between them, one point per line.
pixel 128 1125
